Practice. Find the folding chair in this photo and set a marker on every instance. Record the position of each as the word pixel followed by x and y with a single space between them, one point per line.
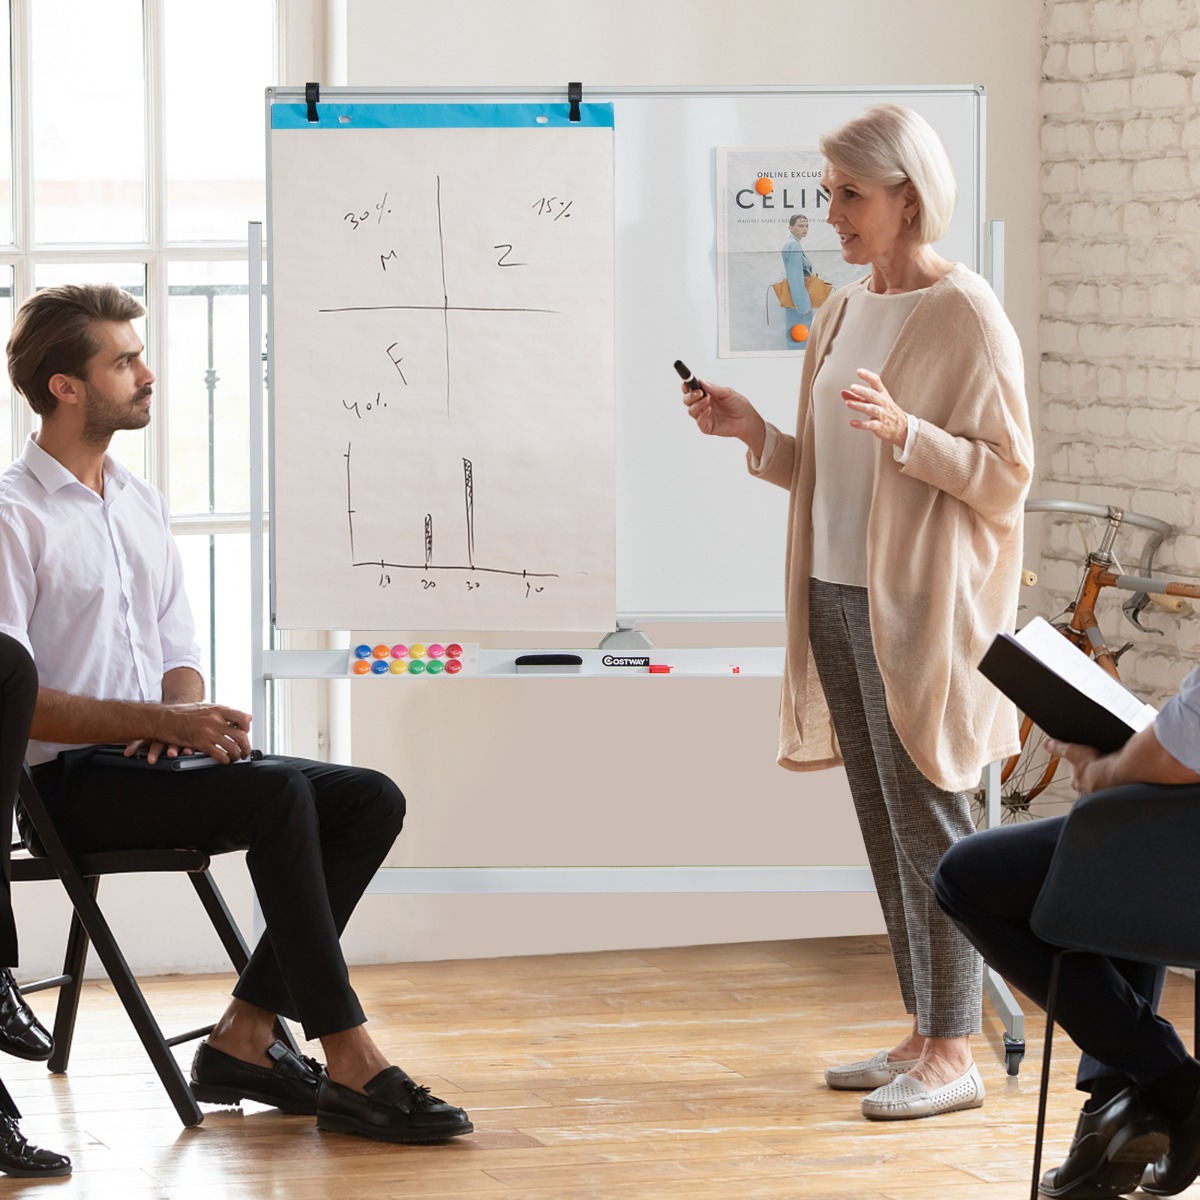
pixel 80 876
pixel 1122 884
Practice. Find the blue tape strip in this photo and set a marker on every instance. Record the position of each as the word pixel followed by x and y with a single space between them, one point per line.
pixel 597 115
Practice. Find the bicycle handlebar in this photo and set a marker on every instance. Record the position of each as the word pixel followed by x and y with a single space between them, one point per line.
pixel 1157 529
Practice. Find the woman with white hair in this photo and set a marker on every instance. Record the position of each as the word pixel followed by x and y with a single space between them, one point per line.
pixel 907 475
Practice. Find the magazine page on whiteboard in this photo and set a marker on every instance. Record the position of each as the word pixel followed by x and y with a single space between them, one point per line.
pixel 777 257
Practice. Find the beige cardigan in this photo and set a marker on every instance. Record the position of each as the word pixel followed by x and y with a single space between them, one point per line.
pixel 943 535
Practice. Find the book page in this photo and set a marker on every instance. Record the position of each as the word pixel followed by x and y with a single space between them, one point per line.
pixel 1049 646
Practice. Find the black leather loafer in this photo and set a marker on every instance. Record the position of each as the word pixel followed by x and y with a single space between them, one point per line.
pixel 290 1084
pixel 21 1033
pixel 1110 1150
pixel 394 1109
pixel 24 1161
pixel 1176 1169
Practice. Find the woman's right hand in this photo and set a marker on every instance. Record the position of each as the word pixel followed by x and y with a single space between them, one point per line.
pixel 722 412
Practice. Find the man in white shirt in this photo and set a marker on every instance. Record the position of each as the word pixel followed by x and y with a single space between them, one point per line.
pixel 91 584
pixel 1144 1085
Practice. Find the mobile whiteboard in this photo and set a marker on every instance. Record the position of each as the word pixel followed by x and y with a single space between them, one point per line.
pixel 696 538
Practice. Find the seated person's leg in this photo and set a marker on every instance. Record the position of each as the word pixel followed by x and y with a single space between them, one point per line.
pixel 1135 1065
pixel 310 849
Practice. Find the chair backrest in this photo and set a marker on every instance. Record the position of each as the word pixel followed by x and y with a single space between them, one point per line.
pixel 1125 878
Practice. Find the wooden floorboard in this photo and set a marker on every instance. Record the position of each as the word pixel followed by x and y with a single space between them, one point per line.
pixel 688 1073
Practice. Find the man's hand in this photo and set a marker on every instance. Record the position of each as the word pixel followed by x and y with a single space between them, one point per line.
pixel 1141 760
pixel 1082 760
pixel 221 733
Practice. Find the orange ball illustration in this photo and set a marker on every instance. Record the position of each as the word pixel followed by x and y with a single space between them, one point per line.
pixel 764 187
pixel 799 333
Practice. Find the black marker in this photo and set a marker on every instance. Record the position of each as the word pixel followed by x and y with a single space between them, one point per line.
pixel 688 378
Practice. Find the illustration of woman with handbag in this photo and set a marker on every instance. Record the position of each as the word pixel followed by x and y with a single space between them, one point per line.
pixel 797 267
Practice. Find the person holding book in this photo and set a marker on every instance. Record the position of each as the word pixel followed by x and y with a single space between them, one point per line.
pixel 907 475
pixel 1135 1067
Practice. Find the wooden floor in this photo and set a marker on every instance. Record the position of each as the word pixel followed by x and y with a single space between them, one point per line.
pixel 689 1073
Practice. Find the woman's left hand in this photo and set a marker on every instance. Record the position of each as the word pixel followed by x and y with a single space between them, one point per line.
pixel 881 415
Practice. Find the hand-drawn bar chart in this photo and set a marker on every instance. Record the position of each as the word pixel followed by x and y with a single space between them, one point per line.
pixel 442 396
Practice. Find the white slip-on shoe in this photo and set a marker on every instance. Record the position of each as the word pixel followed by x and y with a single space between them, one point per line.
pixel 905 1097
pixel 871 1073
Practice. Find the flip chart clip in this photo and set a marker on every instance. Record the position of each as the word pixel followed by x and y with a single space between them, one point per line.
pixel 312 97
pixel 574 95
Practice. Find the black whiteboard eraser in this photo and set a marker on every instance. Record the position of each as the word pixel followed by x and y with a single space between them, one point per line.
pixel 542 663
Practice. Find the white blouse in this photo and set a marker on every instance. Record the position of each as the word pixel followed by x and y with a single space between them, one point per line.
pixel 845 457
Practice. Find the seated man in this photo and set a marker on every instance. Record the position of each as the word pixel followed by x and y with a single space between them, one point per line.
pixel 1144 1085
pixel 91 582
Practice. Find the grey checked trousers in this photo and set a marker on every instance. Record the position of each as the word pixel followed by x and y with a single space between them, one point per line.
pixel 907 823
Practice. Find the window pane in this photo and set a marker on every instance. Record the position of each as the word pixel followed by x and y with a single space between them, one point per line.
pixel 129 445
pixel 88 121
pixel 216 571
pixel 215 138
pixel 8 398
pixel 207 327
pixel 6 230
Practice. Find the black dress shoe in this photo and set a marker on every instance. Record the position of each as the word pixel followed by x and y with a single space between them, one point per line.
pixel 1176 1169
pixel 19 1158
pixel 1110 1150
pixel 394 1109
pixel 21 1034
pixel 290 1084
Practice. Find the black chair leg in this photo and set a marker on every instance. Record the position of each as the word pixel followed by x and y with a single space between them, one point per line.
pixel 135 1004
pixel 1043 1091
pixel 74 964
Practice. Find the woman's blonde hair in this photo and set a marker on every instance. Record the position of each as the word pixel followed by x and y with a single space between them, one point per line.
pixel 889 144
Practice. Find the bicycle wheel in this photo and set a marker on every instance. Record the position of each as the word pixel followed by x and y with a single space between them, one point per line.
pixel 1023 777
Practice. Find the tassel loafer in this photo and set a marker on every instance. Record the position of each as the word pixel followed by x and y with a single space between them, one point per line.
pixel 289 1084
pixel 394 1109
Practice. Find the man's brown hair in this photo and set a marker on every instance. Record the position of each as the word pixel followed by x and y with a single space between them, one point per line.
pixel 52 335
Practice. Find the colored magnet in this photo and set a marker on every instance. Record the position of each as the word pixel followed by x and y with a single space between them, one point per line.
pixel 764 187
pixel 436 650
pixel 379 667
pixel 399 650
pixel 436 666
pixel 399 668
pixel 362 667
pixel 453 666
pixel 416 650
pixel 416 666
pixel 799 333
pixel 381 651
pixel 454 650
pixel 363 651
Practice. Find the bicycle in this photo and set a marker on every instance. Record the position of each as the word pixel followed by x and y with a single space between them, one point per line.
pixel 1027 774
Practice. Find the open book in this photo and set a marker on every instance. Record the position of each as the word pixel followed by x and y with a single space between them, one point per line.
pixel 1064 691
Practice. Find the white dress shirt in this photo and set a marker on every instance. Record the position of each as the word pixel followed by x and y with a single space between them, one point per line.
pixel 92 586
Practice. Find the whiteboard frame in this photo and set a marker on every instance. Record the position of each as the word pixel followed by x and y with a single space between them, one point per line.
pixel 271 663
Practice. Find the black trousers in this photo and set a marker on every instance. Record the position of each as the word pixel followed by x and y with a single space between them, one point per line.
pixel 314 833
pixel 988 884
pixel 18 696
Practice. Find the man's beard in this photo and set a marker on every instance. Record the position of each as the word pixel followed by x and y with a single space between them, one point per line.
pixel 104 416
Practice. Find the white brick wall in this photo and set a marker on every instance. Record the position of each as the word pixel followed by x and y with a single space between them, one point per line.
pixel 1120 327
